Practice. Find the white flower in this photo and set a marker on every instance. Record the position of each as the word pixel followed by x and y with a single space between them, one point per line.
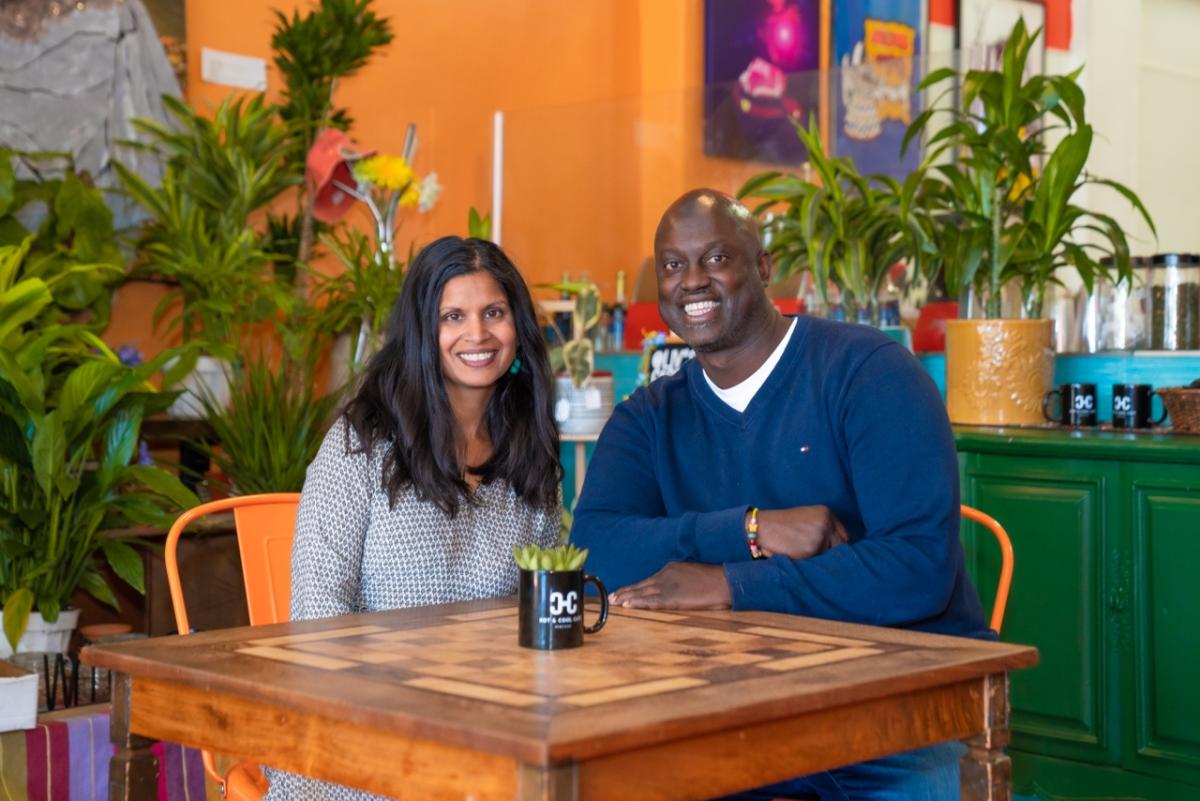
pixel 431 190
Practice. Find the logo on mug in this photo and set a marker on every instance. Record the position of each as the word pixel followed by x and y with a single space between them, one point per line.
pixel 560 604
pixel 1076 405
pixel 1131 406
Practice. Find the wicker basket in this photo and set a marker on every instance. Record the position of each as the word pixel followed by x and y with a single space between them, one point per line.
pixel 1183 404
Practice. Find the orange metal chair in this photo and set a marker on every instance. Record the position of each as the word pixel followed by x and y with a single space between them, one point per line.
pixel 266 525
pixel 1006 561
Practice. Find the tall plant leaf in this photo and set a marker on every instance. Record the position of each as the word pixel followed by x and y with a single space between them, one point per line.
pixel 17 607
pixel 126 563
pixel 49 450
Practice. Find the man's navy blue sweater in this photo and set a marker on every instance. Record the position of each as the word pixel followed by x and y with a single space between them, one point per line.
pixel 848 419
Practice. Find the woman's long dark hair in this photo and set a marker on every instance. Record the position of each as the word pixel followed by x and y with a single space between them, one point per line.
pixel 402 399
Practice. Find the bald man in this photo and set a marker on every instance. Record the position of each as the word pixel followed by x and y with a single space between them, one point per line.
pixel 828 438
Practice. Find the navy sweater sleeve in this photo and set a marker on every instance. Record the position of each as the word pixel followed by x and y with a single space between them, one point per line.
pixel 621 517
pixel 904 470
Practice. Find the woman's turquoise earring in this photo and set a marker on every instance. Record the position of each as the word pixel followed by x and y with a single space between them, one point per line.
pixel 516 366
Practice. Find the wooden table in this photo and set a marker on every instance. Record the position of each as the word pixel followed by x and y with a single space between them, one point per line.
pixel 441 703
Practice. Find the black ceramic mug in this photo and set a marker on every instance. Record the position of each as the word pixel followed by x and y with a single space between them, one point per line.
pixel 550 609
pixel 1132 404
pixel 1076 404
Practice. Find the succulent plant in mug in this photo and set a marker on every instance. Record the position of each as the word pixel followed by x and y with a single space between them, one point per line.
pixel 558 559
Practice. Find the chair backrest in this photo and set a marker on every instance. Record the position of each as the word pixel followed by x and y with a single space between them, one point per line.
pixel 265 525
pixel 1006 561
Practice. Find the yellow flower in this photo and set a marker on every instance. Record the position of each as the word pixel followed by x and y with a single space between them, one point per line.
pixel 387 172
pixel 411 195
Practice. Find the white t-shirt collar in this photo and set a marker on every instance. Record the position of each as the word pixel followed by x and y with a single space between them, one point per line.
pixel 739 395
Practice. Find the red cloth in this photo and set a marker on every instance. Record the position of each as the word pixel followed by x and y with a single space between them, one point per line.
pixel 65 758
pixel 930 333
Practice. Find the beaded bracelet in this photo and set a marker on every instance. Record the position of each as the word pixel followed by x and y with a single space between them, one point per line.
pixel 752 535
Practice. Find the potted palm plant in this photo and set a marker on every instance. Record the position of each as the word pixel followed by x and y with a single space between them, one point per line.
pixel 70 413
pixel 271 425
pixel 848 230
pixel 1002 213
pixel 216 173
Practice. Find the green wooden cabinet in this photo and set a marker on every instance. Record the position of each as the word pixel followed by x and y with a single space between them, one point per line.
pixel 1106 532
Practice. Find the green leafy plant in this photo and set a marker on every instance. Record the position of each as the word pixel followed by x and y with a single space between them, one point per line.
pixel 216 174
pixel 312 53
pixel 1002 211
pixel 558 559
pixel 272 426
pixel 574 352
pixel 69 419
pixel 848 230
pixel 361 297
pixel 479 227
pixel 73 250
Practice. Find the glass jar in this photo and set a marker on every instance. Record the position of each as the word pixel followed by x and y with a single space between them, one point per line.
pixel 1193 318
pixel 1137 308
pixel 1113 316
pixel 1174 287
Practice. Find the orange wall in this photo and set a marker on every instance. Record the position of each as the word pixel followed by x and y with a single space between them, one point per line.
pixel 451 65
pixel 603 120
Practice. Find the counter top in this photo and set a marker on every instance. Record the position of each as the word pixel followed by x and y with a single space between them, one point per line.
pixel 1100 443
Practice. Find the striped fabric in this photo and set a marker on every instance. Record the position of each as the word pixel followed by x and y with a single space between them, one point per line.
pixel 65 758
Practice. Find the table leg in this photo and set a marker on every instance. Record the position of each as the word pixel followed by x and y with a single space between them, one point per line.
pixel 536 783
pixel 133 770
pixel 986 770
pixel 580 466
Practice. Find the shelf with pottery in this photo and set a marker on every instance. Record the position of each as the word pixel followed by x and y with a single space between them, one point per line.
pixel 1159 368
pixel 1105 526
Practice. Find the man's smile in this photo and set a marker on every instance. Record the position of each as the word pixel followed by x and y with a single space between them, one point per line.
pixel 700 311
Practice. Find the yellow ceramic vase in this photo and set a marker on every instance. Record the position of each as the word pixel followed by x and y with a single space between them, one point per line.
pixel 998 371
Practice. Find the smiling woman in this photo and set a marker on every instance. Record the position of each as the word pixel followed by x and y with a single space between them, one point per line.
pixel 477 337
pixel 445 459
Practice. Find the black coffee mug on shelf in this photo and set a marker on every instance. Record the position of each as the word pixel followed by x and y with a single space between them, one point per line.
pixel 1131 406
pixel 1076 405
pixel 550 609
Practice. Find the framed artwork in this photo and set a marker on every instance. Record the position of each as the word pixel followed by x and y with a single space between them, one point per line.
pixel 878 52
pixel 984 26
pixel 762 62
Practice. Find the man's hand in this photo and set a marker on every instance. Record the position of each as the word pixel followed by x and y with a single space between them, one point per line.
pixel 799 532
pixel 679 585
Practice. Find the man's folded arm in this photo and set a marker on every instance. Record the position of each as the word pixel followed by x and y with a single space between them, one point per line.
pixel 905 475
pixel 621 519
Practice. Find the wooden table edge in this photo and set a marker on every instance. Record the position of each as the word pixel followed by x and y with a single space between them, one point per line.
pixel 974 710
pixel 545 749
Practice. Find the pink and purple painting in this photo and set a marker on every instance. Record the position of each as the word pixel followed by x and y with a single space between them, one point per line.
pixel 761 75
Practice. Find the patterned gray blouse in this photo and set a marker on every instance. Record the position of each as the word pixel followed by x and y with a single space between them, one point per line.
pixel 353 553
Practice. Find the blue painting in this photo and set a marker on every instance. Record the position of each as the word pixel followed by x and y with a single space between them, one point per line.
pixel 878 56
